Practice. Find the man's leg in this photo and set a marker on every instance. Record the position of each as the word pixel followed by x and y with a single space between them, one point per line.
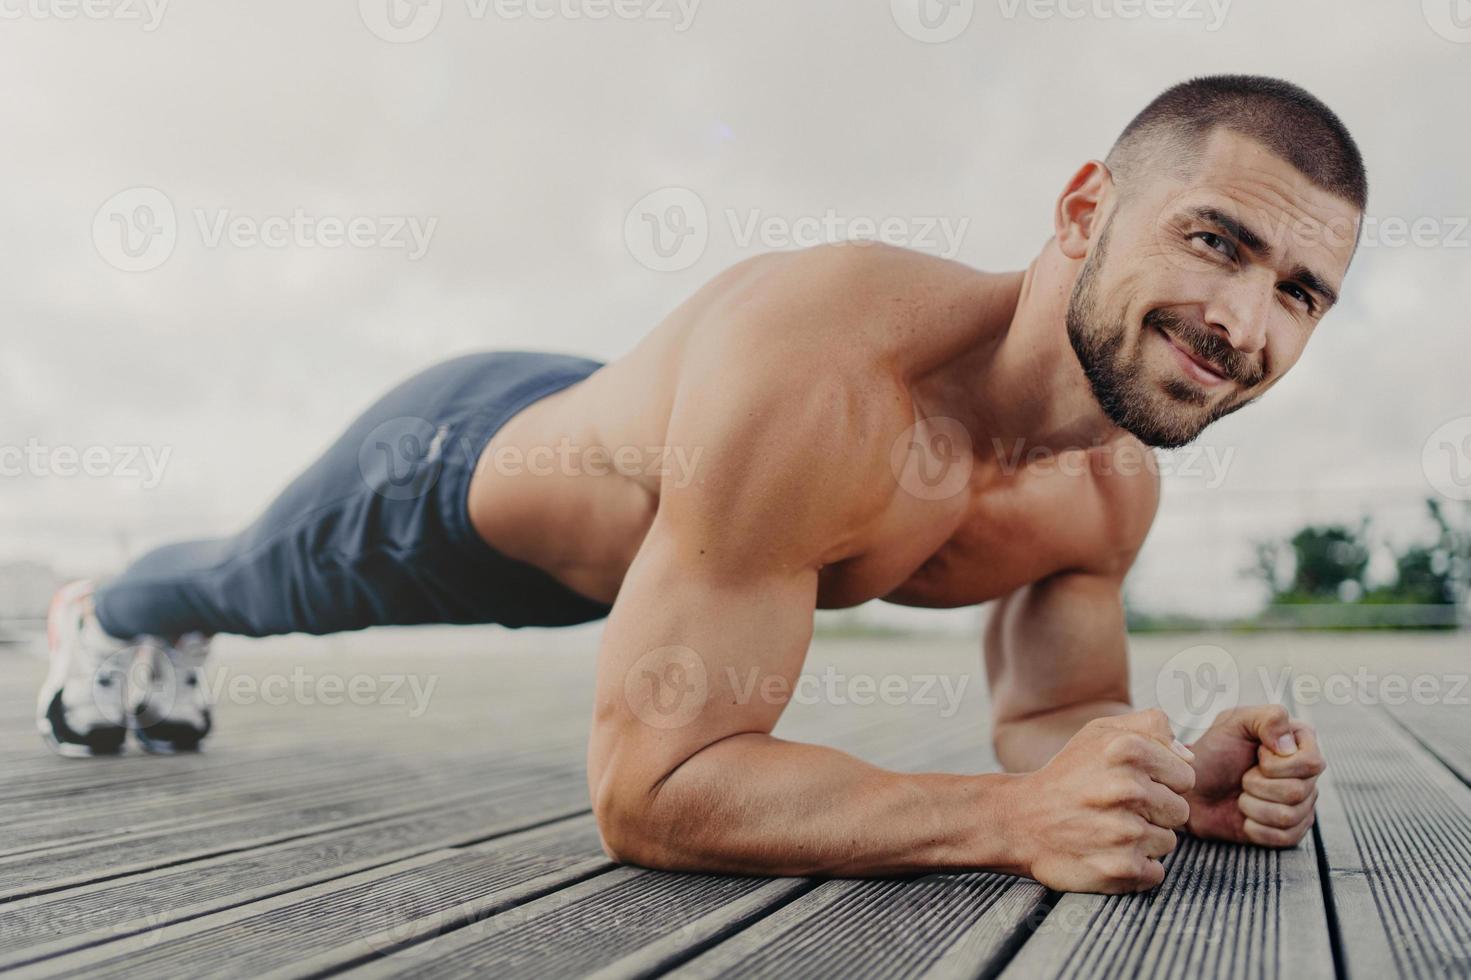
pixel 375 532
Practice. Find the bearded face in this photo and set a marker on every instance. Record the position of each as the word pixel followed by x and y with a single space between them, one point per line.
pixel 1156 373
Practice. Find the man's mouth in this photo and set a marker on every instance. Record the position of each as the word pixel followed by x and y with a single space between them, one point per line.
pixel 1192 364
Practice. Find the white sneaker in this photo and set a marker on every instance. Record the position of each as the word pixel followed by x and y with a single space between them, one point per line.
pixel 81 710
pixel 169 703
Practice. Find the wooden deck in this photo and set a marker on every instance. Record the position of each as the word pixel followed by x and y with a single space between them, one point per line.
pixel 450 836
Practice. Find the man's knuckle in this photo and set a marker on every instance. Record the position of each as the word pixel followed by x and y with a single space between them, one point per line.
pixel 1124 750
pixel 1122 868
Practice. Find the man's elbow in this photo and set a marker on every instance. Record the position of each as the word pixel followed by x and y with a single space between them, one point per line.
pixel 624 824
pixel 1008 743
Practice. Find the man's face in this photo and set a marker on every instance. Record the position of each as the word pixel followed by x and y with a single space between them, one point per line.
pixel 1199 293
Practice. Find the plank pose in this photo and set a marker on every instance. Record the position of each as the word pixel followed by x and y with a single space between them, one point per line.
pixel 817 429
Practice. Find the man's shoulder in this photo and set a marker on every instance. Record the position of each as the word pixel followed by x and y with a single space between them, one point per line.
pixel 1126 473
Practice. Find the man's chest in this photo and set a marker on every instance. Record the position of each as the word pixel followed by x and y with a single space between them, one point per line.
pixel 1001 534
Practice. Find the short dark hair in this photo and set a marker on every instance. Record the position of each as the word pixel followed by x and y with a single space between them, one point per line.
pixel 1283 117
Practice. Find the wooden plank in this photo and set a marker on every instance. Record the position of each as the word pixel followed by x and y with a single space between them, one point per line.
pixel 1395 827
pixel 379 909
pixel 933 926
pixel 58 922
pixel 225 792
pixel 1224 910
pixel 630 922
pixel 23 875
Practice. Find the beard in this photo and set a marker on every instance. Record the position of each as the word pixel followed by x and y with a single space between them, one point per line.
pixel 1121 383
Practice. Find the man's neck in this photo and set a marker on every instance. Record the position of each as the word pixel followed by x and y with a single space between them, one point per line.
pixel 1027 389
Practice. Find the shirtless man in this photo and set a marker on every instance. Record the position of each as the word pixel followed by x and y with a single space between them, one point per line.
pixel 818 405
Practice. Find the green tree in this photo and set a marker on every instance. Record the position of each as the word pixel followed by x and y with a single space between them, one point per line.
pixel 1329 562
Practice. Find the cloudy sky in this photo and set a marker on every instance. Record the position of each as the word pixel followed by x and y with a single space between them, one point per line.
pixel 227 226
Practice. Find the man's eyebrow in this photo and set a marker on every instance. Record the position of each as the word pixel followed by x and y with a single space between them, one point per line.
pixel 1310 279
pixel 1251 240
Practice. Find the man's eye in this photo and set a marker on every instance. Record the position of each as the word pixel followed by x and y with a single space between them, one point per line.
pixel 1216 243
pixel 1298 293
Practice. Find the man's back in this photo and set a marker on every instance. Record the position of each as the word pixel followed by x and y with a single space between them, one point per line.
pixel 871 345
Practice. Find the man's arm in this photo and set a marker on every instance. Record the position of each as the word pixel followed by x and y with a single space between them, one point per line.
pixel 1056 658
pixel 1056 651
pixel 709 633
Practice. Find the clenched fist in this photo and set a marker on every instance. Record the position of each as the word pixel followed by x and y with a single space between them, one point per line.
pixel 1100 815
pixel 1256 778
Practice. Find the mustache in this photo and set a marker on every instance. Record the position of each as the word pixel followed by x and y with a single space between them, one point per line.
pixel 1206 345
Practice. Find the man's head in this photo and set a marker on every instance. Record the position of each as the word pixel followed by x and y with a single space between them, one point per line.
pixel 1218 232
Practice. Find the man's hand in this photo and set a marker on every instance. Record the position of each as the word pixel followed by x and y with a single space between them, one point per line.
pixel 1099 816
pixel 1256 775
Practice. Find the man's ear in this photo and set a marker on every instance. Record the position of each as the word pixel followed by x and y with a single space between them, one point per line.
pixel 1076 219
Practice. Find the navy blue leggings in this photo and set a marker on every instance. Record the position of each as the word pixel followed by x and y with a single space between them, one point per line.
pixel 376 532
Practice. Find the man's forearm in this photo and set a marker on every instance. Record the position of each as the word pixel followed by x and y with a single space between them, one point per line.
pixel 1026 744
pixel 754 804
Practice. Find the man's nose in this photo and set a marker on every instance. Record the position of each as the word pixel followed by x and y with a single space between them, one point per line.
pixel 1241 311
